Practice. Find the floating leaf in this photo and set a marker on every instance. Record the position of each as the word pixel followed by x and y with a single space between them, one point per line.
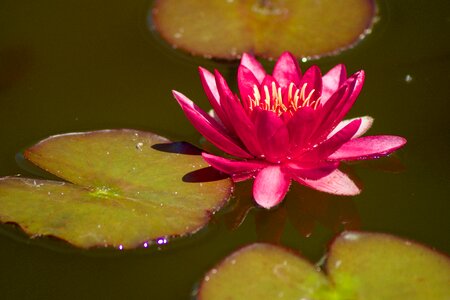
pixel 360 266
pixel 227 28
pixel 127 188
pixel 262 271
pixel 389 268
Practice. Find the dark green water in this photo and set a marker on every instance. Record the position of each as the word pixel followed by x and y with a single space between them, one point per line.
pixel 82 65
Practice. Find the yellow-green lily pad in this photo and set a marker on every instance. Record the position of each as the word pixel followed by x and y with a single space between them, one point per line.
pixel 227 28
pixel 124 188
pixel 360 266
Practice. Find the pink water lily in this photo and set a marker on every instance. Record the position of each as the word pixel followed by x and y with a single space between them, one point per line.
pixel 286 126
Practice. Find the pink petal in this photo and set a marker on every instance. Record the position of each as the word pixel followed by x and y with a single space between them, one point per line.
pixel 270 186
pixel 323 150
pixel 226 95
pixel 222 86
pixel 233 167
pixel 246 82
pixel 240 122
pixel 300 126
pixel 317 171
pixel 368 147
pixel 336 183
pixel 338 109
pixel 366 123
pixel 243 126
pixel 337 106
pixel 272 134
pixel 332 81
pixel 209 85
pixel 287 70
pixel 313 80
pixel 254 66
pixel 320 125
pixel 209 128
pixel 359 82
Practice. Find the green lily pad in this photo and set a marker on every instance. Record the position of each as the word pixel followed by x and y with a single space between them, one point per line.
pixel 389 268
pixel 360 266
pixel 227 28
pixel 125 188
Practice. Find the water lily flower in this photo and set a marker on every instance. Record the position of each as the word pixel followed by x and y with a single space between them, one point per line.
pixel 286 126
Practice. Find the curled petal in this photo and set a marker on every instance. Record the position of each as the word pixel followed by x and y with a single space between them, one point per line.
pixel 234 167
pixel 270 186
pixel 287 70
pixel 246 83
pixel 357 87
pixel 336 109
pixel 272 134
pixel 332 81
pixel 226 96
pixel 368 147
pixel 336 183
pixel 222 86
pixel 209 127
pixel 209 85
pixel 366 123
pixel 338 105
pixel 254 66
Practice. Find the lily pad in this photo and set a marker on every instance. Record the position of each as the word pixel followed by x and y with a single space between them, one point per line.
pixel 125 188
pixel 389 268
pixel 360 266
pixel 227 28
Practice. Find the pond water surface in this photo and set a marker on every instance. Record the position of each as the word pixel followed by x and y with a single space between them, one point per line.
pixel 71 65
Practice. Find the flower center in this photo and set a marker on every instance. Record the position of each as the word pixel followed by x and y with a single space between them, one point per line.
pixel 272 99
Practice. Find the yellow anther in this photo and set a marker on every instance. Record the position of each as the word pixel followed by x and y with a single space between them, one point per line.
pixel 280 97
pixel 274 91
pixel 256 93
pixel 302 92
pixel 291 86
pixel 272 99
pixel 317 102
pixel 296 97
pixel 306 101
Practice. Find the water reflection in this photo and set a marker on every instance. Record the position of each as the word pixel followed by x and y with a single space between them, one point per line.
pixel 304 208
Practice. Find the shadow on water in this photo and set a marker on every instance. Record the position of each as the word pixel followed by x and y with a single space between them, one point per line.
pixel 207 174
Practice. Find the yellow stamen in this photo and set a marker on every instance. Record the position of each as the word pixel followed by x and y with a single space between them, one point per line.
pixel 306 101
pixel 317 102
pixel 274 90
pixel 296 97
pixel 291 86
pixel 273 99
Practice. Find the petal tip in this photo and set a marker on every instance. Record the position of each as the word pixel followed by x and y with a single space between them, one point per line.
pixel 270 187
